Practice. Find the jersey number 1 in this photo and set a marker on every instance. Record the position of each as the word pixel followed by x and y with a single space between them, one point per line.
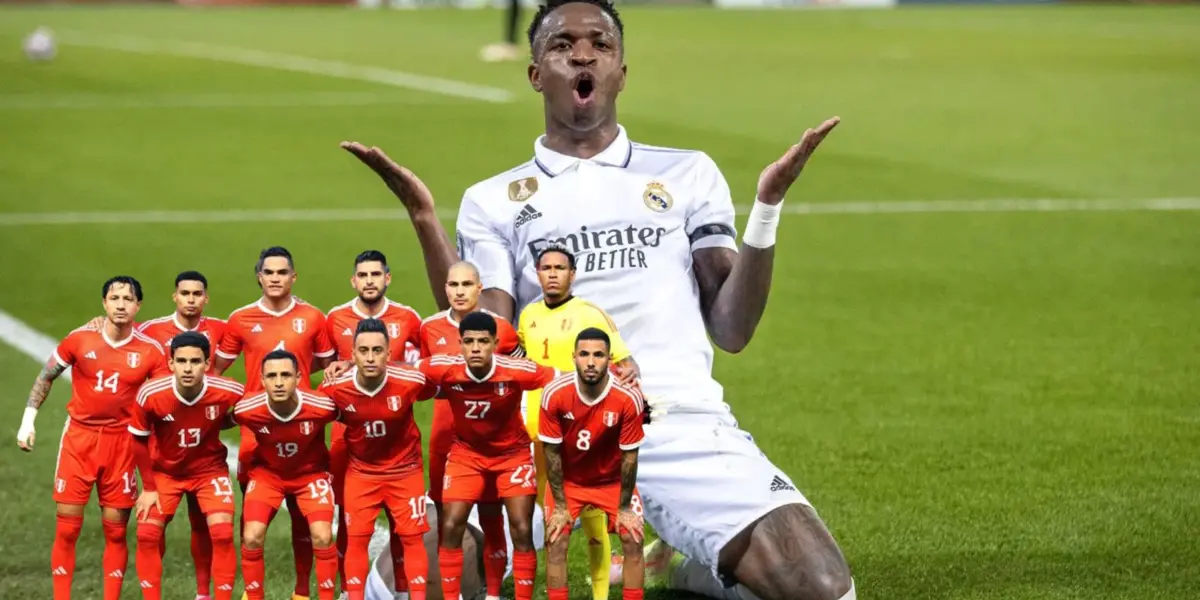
pixel 545 348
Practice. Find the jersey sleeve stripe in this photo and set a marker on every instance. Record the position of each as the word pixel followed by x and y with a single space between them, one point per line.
pixel 138 432
pixel 518 352
pixel 634 396
pixel 712 229
pixel 58 359
pixel 153 387
pixel 249 403
pixel 141 336
pixel 519 364
pixel 434 317
pixel 225 355
pixel 227 385
pixel 553 387
pixel 633 446
pixel 326 354
pixel 549 440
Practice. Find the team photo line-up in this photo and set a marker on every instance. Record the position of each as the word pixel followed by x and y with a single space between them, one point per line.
pixel 561 414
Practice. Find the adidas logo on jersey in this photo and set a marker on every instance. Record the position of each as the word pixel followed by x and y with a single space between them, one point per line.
pixel 569 416
pixel 351 408
pixel 264 430
pixel 257 328
pixel 91 355
pixel 347 332
pixel 441 341
pixel 527 214
pixel 456 387
pixel 779 484
pixel 169 418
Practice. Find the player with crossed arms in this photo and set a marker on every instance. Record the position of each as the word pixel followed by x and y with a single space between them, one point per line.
pixel 289 461
pixel 110 363
pixel 184 413
pixel 385 471
pixel 591 427
pixel 490 461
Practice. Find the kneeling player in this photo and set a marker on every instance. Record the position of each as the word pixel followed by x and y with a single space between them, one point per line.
pixel 591 427
pixel 490 460
pixel 289 460
pixel 185 414
pixel 375 402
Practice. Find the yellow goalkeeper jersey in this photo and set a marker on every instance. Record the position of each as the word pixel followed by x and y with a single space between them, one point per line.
pixel 548 337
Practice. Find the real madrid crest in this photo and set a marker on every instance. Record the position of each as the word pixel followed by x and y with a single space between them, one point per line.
pixel 656 197
pixel 521 189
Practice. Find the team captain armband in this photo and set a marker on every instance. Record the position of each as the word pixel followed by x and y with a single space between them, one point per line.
pixel 710 230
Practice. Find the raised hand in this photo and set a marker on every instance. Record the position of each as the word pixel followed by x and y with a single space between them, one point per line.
pixel 406 186
pixel 775 180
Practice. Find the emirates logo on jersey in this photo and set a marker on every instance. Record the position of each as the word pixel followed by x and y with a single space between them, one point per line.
pixel 394 403
pixel 299 325
pixel 133 359
pixel 210 412
pixel 306 428
pixel 610 418
pixel 394 330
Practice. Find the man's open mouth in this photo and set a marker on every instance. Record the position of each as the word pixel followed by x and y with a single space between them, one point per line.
pixel 583 86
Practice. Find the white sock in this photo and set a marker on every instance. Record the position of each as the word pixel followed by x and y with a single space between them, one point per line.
pixel 850 594
pixel 698 578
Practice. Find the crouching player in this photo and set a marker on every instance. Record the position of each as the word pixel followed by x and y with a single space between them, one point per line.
pixel 591 426
pixel 490 461
pixel 289 460
pixel 185 413
pixel 375 402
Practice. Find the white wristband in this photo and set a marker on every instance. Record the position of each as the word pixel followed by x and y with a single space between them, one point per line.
pixel 27 423
pixel 760 228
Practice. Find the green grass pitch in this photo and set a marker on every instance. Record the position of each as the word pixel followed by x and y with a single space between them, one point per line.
pixel 989 406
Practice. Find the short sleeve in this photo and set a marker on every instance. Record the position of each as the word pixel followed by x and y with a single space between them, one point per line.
pixel 549 427
pixel 64 354
pixel 139 421
pixel 632 432
pixel 537 379
pixel 323 344
pixel 710 218
pixel 510 342
pixel 429 390
pixel 480 243
pixel 433 373
pixel 160 368
pixel 231 342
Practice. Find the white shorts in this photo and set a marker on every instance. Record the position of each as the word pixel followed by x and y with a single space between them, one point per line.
pixel 703 480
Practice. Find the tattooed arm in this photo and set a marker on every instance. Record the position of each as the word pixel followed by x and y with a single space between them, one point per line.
pixel 628 477
pixel 558 522
pixel 37 396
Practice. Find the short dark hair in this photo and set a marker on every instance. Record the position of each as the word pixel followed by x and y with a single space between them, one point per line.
pixel 372 255
pixel 191 339
pixel 593 333
pixel 478 321
pixel 560 250
pixel 191 276
pixel 272 252
pixel 134 285
pixel 282 355
pixel 371 326
pixel 550 6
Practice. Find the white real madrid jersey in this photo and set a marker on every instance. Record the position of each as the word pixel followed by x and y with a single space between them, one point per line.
pixel 632 215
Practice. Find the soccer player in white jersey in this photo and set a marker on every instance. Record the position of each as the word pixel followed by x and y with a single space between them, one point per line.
pixel 653 229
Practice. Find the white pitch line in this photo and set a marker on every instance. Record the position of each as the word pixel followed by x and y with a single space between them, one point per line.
pixel 380 214
pixel 200 100
pixel 28 341
pixel 288 62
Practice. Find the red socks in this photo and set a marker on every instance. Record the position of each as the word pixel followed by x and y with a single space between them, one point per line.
pixel 416 566
pixel 524 573
pixel 62 555
pixel 343 545
pixel 397 547
pixel 253 573
pixel 302 549
pixel 495 551
pixel 116 557
pixel 628 594
pixel 202 550
pixel 556 593
pixel 357 565
pixel 148 560
pixel 450 563
pixel 224 564
pixel 327 572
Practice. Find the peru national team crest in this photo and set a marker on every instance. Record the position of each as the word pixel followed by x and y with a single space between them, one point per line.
pixel 656 197
pixel 299 325
pixel 210 412
pixel 394 330
pixel 306 428
pixel 610 418
pixel 500 388
pixel 394 403
pixel 133 359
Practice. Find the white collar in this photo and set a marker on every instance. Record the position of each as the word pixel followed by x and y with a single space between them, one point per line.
pixel 179 326
pixel 552 163
pixel 203 389
pixel 109 341
pixel 299 407
pixel 362 315
pixel 263 307
pixel 365 391
pixel 491 371
pixel 582 398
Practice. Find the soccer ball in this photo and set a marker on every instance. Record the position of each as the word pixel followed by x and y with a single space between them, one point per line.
pixel 40 45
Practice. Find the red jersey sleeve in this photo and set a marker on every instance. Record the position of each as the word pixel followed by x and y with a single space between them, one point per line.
pixel 139 421
pixel 231 341
pixel 434 373
pixel 64 354
pixel 549 427
pixel 160 367
pixel 323 344
pixel 632 433
pixel 536 379
pixel 508 342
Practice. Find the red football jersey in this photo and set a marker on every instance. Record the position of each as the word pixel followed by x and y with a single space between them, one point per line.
pixel 164 329
pixel 439 335
pixel 403 324
pixel 187 434
pixel 487 411
pixel 288 445
pixel 591 435
pixel 256 331
pixel 381 437
pixel 107 375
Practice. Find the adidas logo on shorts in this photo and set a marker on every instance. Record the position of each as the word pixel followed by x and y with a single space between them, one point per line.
pixel 779 484
pixel 527 214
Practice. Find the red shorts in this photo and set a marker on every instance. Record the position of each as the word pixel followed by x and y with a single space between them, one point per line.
pixel 477 479
pixel 402 495
pixel 96 456
pixel 213 491
pixel 266 492
pixel 441 438
pixel 339 458
pixel 606 498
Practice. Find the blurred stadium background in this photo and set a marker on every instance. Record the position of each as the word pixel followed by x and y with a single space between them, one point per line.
pixel 980 359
